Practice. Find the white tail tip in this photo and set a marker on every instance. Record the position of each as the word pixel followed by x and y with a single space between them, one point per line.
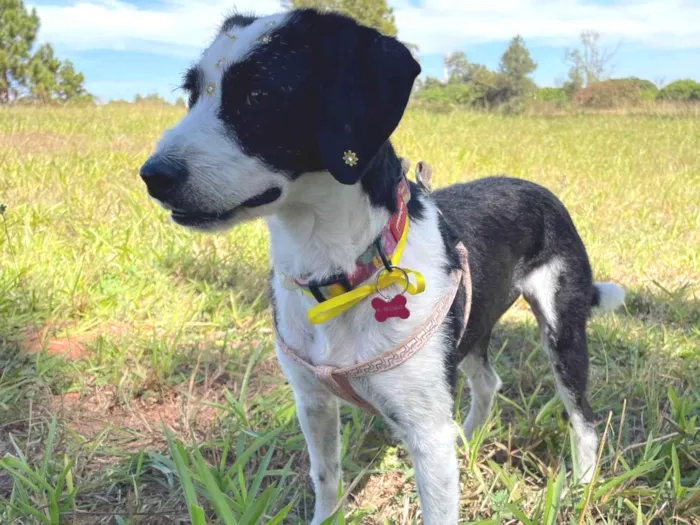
pixel 610 297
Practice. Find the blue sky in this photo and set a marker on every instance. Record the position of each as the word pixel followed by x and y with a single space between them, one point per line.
pixel 126 47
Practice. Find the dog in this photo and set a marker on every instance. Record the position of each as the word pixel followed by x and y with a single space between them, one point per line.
pixel 289 119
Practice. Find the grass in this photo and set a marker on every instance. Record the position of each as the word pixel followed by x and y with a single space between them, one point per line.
pixel 138 383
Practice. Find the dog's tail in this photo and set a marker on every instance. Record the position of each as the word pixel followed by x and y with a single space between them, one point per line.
pixel 606 298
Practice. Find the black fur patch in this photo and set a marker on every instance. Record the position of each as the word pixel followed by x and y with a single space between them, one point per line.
pixel 192 84
pixel 237 20
pixel 284 101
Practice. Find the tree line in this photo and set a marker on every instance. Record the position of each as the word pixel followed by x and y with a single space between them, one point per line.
pixel 32 73
pixel 29 72
pixel 589 81
pixel 466 83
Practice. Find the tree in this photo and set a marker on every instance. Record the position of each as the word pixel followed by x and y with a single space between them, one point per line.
pixel 36 76
pixel 686 90
pixel 647 88
pixel 461 71
pixel 153 98
pixel 372 13
pixel 589 64
pixel 18 29
pixel 456 66
pixel 71 84
pixel 515 69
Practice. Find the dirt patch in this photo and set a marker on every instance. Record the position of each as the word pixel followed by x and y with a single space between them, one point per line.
pixel 387 496
pixel 138 424
pixel 59 339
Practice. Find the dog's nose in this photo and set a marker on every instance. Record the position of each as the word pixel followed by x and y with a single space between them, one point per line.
pixel 161 175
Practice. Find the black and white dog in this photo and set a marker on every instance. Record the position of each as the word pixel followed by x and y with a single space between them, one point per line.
pixel 289 119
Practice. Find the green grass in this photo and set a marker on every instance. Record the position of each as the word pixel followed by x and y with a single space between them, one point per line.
pixel 138 383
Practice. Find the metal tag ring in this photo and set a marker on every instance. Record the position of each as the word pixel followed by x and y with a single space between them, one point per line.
pixel 405 289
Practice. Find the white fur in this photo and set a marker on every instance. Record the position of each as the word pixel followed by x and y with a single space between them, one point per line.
pixel 484 383
pixel 321 227
pixel 612 296
pixel 233 50
pixel 542 283
pixel 586 443
pixel 317 411
pixel 304 240
pixel 221 175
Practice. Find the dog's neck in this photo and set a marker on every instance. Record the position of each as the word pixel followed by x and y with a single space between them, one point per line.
pixel 324 226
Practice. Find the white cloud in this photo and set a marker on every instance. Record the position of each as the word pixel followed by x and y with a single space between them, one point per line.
pixel 183 27
pixel 440 26
pixel 174 27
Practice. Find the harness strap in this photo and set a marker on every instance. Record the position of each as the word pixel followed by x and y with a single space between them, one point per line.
pixel 337 380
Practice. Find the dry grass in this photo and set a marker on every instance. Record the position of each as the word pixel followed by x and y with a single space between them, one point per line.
pixel 115 324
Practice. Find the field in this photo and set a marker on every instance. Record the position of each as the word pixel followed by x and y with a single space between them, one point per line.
pixel 138 383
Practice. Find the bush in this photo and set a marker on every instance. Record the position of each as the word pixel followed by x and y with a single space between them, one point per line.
pixel 153 98
pixel 647 88
pixel 449 94
pixel 609 94
pixel 551 94
pixel 681 90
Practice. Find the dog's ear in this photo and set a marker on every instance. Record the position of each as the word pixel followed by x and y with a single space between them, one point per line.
pixel 364 82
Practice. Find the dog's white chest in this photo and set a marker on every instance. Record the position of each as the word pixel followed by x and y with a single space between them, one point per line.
pixel 356 335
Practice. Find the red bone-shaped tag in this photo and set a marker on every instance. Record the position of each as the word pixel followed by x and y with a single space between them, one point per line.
pixel 384 310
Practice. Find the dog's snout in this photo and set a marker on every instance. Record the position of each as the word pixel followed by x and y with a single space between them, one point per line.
pixel 162 175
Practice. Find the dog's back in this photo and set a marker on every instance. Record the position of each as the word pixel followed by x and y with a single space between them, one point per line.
pixel 512 227
pixel 522 241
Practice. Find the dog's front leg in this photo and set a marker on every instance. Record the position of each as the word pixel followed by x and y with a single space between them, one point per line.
pixel 432 448
pixel 319 422
pixel 418 405
pixel 317 411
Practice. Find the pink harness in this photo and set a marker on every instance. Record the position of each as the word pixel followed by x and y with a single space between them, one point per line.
pixel 337 380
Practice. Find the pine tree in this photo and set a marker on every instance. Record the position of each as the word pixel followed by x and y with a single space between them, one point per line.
pixel 71 84
pixel 18 29
pixel 41 73
pixel 38 76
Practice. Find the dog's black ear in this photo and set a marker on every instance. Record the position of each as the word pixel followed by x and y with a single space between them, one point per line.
pixel 364 82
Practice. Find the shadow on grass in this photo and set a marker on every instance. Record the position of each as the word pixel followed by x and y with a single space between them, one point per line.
pixel 526 436
pixel 247 280
pixel 678 308
pixel 624 366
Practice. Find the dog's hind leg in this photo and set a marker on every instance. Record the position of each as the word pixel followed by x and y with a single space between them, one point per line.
pixel 560 298
pixel 483 382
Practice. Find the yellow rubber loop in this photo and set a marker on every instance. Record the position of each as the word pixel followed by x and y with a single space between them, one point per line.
pixel 329 309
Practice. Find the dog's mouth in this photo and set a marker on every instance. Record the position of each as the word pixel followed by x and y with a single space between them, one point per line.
pixel 199 219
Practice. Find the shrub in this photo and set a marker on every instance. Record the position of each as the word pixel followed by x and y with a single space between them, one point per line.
pixel 647 88
pixel 681 90
pixel 449 94
pixel 609 94
pixel 551 94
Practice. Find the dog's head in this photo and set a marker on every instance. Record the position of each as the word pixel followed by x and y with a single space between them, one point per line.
pixel 270 100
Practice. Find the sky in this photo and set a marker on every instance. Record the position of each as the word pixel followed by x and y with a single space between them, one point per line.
pixel 125 47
